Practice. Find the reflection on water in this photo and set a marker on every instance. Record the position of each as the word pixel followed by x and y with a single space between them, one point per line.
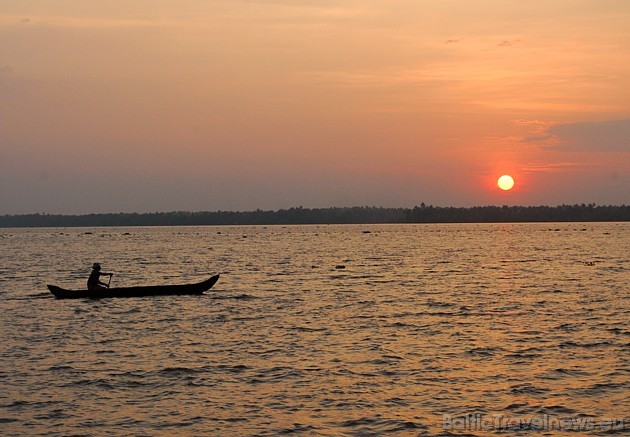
pixel 424 321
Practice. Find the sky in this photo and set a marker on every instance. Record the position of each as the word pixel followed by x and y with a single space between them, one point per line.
pixel 206 105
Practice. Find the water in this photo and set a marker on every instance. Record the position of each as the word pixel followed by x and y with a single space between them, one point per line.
pixel 424 325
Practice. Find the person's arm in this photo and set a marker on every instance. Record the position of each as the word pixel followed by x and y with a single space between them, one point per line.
pixel 104 274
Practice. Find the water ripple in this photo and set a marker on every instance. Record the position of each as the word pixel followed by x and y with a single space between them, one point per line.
pixel 421 321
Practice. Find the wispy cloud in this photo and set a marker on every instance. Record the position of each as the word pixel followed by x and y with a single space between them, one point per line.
pixel 537 131
pixel 594 136
pixel 6 70
pixel 609 136
pixel 508 43
pixel 81 22
pixel 556 167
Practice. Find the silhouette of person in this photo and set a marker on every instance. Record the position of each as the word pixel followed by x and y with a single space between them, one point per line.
pixel 94 281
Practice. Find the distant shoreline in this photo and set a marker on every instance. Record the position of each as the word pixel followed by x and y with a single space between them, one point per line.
pixel 335 215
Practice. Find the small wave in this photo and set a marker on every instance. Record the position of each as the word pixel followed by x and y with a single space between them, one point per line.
pixel 519 408
pixel 99 383
pixel 129 311
pixel 567 327
pixel 554 291
pixel 295 429
pixel 275 374
pixel 483 351
pixel 234 369
pixel 397 401
pixel 448 314
pixel 440 304
pixel 572 372
pixel 378 426
pixel 307 329
pixel 18 405
pixel 54 415
pixel 522 356
pixel 233 419
pixel 105 352
pixel 183 423
pixel 43 295
pixel 266 352
pixel 601 388
pixel 555 410
pixel 62 368
pixel 619 331
pixel 393 357
pixel 527 389
pixel 401 325
pixel 567 344
pixel 384 362
pixel 347 404
pixel 247 319
pixel 178 371
pixel 243 296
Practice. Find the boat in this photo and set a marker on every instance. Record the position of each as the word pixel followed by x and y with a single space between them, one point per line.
pixel 152 290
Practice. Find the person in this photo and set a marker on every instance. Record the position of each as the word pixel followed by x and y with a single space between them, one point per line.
pixel 94 281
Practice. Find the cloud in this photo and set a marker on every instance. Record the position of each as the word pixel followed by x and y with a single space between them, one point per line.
pixel 538 139
pixel 71 22
pixel 556 167
pixel 594 136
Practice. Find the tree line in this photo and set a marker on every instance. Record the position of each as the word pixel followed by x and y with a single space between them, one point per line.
pixel 335 215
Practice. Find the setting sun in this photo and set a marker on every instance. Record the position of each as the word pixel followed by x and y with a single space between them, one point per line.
pixel 505 182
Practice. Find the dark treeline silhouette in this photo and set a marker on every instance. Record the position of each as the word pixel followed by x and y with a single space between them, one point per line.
pixel 346 215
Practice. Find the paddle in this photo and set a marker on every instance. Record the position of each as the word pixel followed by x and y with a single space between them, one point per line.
pixel 110 280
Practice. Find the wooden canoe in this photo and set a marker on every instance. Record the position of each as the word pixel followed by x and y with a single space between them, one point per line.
pixel 154 290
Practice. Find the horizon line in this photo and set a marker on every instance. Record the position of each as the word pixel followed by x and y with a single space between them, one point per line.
pixel 422 205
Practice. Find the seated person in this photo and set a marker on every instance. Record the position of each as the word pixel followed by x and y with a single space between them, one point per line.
pixel 94 282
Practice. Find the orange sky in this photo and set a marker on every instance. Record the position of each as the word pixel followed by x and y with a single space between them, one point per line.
pixel 154 105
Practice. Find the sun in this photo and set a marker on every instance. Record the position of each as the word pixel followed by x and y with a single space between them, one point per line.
pixel 506 182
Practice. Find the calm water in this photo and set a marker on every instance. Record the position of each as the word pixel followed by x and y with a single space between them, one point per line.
pixel 425 324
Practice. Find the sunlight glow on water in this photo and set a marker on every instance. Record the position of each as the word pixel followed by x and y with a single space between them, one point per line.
pixel 421 321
